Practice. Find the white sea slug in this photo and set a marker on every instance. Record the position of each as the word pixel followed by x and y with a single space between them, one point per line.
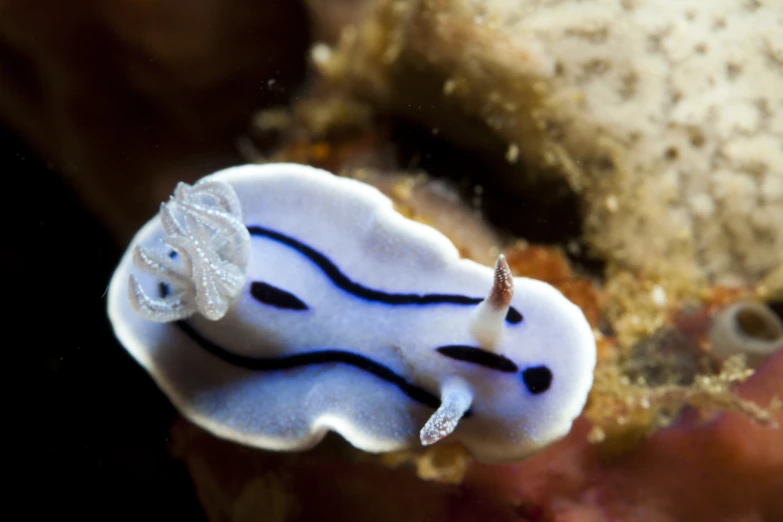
pixel 275 303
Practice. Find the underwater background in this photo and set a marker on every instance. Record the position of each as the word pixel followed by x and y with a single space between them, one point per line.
pixel 629 153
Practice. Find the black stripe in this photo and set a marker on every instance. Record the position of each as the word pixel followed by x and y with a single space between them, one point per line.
pixel 480 357
pixel 273 296
pixel 304 359
pixel 319 357
pixel 370 294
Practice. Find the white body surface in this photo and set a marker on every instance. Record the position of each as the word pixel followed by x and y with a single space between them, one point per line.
pixel 355 227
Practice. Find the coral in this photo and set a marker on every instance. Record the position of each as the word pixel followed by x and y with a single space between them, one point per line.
pixel 622 411
pixel 666 118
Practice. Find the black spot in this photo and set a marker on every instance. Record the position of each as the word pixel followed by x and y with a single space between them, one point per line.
pixel 537 379
pixel 273 296
pixel 513 316
pixel 480 357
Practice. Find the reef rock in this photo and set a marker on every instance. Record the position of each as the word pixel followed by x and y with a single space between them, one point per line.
pixel 666 118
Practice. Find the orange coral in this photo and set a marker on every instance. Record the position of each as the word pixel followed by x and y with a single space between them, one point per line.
pixel 549 264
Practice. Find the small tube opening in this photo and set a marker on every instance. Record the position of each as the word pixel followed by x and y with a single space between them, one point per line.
pixel 754 323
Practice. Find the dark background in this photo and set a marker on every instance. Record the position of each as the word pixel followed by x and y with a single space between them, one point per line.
pixel 93 437
pixel 119 100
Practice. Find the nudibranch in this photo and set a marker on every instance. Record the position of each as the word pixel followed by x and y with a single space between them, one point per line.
pixel 275 303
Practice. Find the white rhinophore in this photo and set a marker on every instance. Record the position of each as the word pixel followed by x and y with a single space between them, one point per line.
pixel 490 314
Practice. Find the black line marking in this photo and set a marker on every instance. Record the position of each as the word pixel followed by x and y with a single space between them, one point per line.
pixel 538 379
pixel 319 357
pixel 273 296
pixel 343 282
pixel 304 359
pixel 480 357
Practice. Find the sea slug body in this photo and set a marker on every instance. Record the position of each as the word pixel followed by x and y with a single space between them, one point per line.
pixel 275 303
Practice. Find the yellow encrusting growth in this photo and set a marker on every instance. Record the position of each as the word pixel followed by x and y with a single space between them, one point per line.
pixel 622 411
